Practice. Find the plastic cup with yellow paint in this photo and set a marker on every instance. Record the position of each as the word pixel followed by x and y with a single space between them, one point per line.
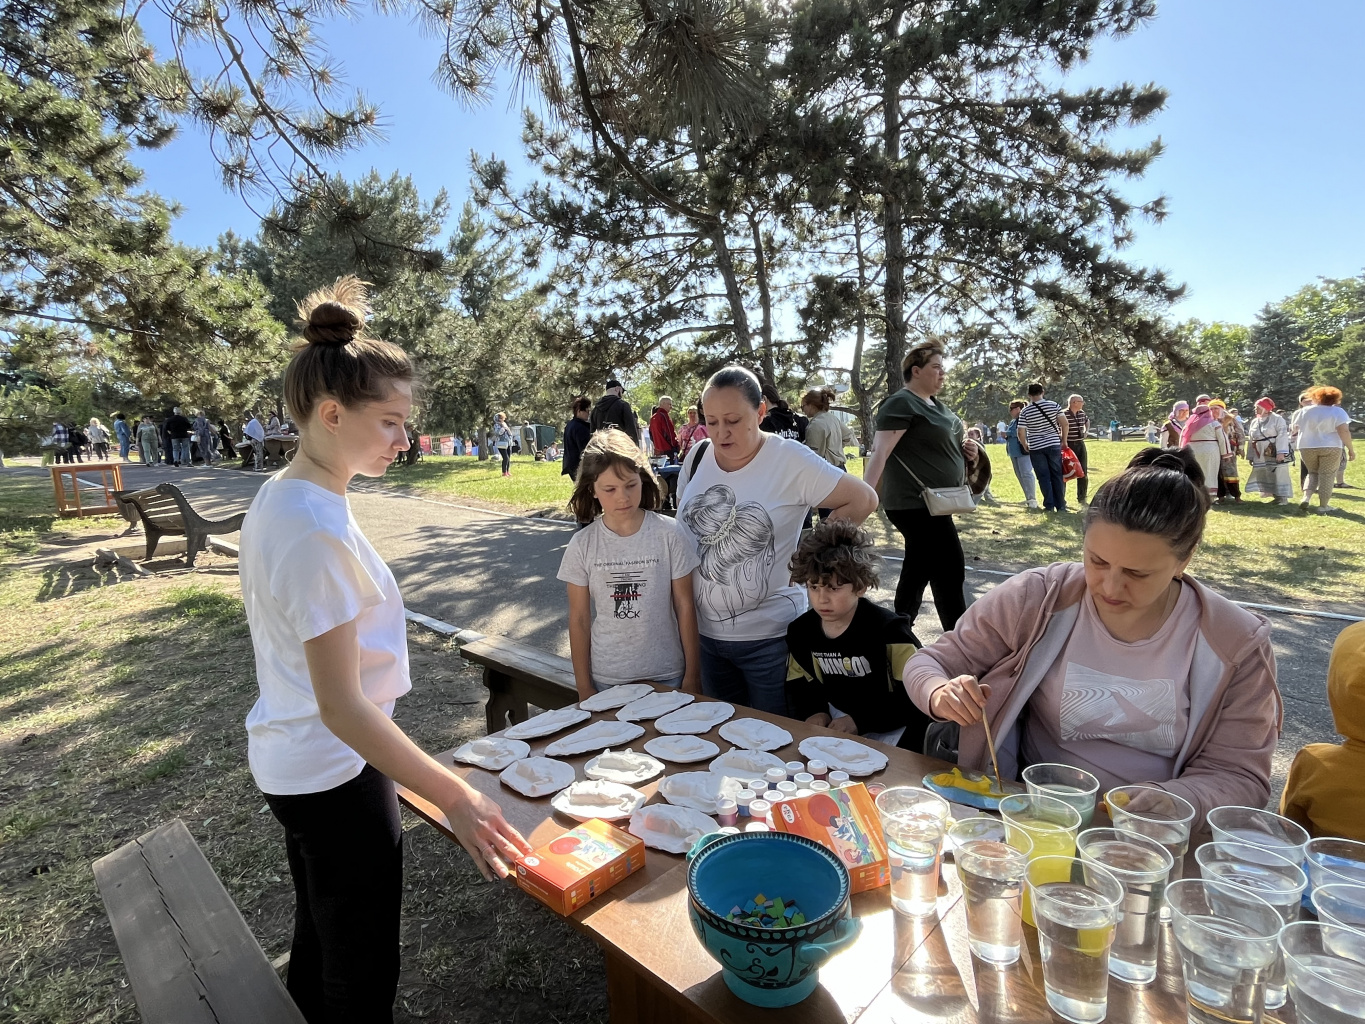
pixel 1049 824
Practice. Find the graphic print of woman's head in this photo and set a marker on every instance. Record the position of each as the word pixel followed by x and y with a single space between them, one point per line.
pixel 737 547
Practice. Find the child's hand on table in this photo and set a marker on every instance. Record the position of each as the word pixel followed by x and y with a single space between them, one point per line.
pixel 844 723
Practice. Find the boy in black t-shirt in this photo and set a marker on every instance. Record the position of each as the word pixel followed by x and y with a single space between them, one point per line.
pixel 846 654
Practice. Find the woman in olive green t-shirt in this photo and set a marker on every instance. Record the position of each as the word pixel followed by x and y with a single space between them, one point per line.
pixel 921 443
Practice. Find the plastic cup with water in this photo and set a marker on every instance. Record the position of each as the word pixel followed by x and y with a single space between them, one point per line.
pixel 1334 862
pixel 1071 785
pixel 1076 905
pixel 1226 935
pixel 1261 828
pixel 992 876
pixel 1154 813
pixel 1049 824
pixel 1274 878
pixel 1325 965
pixel 1142 867
pixel 1340 904
pixel 914 821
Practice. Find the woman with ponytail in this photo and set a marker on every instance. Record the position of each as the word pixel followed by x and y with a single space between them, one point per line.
pixel 1122 664
pixel 330 640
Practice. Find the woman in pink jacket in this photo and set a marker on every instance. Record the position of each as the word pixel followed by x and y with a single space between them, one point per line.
pixel 1121 665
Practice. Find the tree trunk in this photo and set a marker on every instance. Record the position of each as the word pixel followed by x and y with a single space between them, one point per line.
pixel 726 265
pixel 860 393
pixel 892 216
pixel 768 362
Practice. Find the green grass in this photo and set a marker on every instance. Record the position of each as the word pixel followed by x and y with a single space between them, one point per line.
pixel 1272 554
pixel 28 512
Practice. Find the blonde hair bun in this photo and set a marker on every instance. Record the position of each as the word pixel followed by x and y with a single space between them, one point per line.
pixel 335 315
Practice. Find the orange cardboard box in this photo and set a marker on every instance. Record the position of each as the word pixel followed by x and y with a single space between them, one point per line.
pixel 584 862
pixel 844 821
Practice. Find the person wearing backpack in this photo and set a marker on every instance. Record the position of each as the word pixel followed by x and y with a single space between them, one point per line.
pixel 612 410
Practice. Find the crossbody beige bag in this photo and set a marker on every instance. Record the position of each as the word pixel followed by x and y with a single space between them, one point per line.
pixel 941 501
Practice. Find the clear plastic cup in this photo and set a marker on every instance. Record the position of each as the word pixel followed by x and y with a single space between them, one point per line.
pixel 1341 905
pixel 1334 862
pixel 1049 824
pixel 1076 905
pixel 992 876
pixel 1142 867
pixel 1257 827
pixel 1070 785
pixel 914 848
pixel 1227 936
pixel 912 801
pixel 1275 879
pixel 1154 813
pixel 1328 985
pixel 980 826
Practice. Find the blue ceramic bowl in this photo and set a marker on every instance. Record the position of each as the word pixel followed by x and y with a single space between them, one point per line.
pixel 769 966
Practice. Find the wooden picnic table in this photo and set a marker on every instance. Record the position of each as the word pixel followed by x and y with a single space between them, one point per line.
pixel 901 969
pixel 67 483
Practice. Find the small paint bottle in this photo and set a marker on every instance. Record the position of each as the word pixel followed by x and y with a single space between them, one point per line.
pixel 803 780
pixel 793 767
pixel 775 775
pixel 803 792
pixel 818 769
pixel 838 780
pixel 787 789
pixel 743 799
pixel 727 811
pixel 759 786
pixel 759 811
pixel 728 830
pixel 819 786
pixel 756 826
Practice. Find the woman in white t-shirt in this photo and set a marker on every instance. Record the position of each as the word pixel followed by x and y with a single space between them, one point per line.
pixel 1324 430
pixel 743 495
pixel 330 641
pixel 631 567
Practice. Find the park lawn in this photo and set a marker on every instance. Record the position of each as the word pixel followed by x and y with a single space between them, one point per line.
pixel 1252 551
pixel 122 702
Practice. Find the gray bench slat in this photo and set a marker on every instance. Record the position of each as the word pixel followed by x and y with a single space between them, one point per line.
pixel 519 660
pixel 189 954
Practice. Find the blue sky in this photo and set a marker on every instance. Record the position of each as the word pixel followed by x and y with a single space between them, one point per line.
pixel 1262 170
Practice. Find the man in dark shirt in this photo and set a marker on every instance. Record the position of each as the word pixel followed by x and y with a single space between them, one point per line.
pixel 1077 427
pixel 846 655
pixel 612 410
pixel 178 430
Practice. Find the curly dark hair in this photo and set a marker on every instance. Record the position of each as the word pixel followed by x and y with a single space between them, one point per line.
pixel 834 553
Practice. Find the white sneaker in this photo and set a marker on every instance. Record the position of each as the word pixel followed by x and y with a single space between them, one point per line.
pixel 1032 503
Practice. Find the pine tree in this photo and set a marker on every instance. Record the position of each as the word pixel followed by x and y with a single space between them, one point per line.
pixel 1276 358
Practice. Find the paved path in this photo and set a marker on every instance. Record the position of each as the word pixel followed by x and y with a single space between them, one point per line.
pixel 496 574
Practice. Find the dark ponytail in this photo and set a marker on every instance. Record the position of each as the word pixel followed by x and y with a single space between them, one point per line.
pixel 1161 493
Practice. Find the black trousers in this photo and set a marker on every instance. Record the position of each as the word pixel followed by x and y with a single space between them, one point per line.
pixel 933 558
pixel 1083 482
pixel 346 858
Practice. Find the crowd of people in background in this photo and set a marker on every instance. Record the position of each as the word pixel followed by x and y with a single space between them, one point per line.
pixel 173 439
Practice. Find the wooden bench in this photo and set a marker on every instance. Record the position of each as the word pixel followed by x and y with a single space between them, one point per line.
pixel 189 955
pixel 518 674
pixel 164 510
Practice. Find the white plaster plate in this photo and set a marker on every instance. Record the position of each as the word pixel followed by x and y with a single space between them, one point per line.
pixel 660 702
pixel 681 749
pixel 595 798
pixel 538 776
pixel 623 766
pixel 492 752
pixel 755 734
pixel 846 755
pixel 671 829
pixel 547 723
pixel 697 718
pixel 597 736
pixel 698 790
pixel 615 697
pixel 746 763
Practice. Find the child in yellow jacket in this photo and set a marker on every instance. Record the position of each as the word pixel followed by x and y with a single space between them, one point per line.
pixel 1323 793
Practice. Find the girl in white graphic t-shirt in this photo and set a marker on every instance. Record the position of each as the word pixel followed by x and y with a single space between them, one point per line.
pixel 330 641
pixel 629 576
